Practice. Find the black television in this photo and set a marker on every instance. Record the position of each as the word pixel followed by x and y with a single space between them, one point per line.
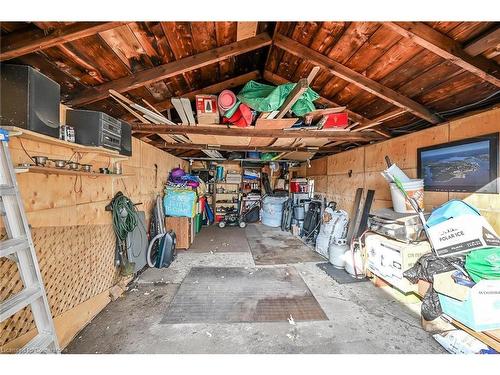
pixel 469 165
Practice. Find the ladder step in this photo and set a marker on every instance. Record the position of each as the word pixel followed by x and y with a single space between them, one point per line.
pixel 7 190
pixel 38 344
pixel 13 245
pixel 19 301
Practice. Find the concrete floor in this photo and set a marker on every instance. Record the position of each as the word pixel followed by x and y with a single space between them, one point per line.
pixel 362 318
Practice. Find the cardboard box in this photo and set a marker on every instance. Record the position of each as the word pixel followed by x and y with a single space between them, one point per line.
pixel 444 284
pixel 207 110
pixel 388 259
pixel 480 307
pixel 462 234
pixel 183 228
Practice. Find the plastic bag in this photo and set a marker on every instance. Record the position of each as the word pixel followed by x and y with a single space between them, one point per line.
pixel 483 264
pixel 424 269
pixel 266 98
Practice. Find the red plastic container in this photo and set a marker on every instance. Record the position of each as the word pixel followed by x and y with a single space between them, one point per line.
pixel 298 185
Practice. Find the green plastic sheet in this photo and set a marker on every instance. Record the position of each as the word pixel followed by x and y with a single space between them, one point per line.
pixel 266 98
pixel 483 264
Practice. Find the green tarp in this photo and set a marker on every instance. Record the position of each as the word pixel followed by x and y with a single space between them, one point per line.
pixel 266 98
pixel 483 264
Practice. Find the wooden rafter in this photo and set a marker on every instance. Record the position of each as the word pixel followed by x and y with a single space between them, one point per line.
pixel 257 133
pixel 380 119
pixel 356 78
pixel 448 49
pixel 246 30
pixel 488 41
pixel 19 44
pixel 191 146
pixel 169 70
pixel 278 80
pixel 212 89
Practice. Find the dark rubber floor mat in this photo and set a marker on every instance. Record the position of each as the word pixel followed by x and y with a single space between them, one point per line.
pixel 236 294
pixel 273 246
pixel 340 276
pixel 220 240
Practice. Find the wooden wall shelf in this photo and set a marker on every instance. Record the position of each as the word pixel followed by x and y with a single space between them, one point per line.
pixel 62 171
pixel 90 152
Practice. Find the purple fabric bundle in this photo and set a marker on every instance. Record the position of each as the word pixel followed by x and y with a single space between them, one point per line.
pixel 176 175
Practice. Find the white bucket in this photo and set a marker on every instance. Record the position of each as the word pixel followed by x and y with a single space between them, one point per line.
pixel 414 188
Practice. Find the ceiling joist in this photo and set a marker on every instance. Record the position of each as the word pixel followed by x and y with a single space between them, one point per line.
pixel 488 41
pixel 169 70
pixel 16 45
pixel 449 49
pixel 191 146
pixel 257 133
pixel 355 78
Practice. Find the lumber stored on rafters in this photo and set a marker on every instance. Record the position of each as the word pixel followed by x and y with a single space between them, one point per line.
pixel 354 77
pixel 19 44
pixel 379 119
pixel 448 49
pixel 212 89
pixel 258 133
pixel 172 69
pixel 278 80
pixel 191 146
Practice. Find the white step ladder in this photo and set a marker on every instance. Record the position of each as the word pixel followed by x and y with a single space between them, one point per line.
pixel 20 249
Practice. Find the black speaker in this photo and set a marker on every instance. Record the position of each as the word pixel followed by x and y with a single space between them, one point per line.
pixel 29 100
pixel 126 139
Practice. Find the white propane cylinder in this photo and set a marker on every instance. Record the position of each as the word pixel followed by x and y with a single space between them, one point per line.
pixel 352 262
pixel 336 255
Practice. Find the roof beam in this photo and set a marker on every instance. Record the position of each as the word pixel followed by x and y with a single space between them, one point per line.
pixel 191 146
pixel 490 40
pixel 355 78
pixel 169 70
pixel 212 89
pixel 246 30
pixel 447 48
pixel 15 44
pixel 252 132
pixel 278 80
pixel 379 119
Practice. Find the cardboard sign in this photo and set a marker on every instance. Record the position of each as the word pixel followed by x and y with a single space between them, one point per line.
pixel 462 234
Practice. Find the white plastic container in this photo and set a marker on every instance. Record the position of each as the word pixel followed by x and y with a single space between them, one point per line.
pixel 414 188
pixel 336 255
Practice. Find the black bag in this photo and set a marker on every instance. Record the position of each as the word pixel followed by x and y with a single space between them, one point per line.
pixel 252 215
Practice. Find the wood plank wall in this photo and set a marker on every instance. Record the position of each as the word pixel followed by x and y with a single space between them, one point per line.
pixel 73 233
pixel 331 174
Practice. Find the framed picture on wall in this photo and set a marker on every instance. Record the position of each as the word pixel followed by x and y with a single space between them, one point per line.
pixel 469 165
